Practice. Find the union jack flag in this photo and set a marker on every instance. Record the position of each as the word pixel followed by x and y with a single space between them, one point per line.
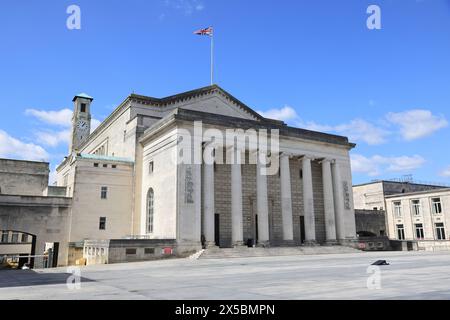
pixel 204 32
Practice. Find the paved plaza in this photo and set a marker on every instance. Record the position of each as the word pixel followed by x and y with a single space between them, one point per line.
pixel 410 275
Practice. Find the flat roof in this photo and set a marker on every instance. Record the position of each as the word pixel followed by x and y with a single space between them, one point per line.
pixel 20 160
pixel 400 182
pixel 399 195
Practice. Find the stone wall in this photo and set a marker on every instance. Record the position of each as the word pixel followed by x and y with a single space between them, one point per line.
pixel 129 250
pixel 249 206
pixel 297 198
pixel 222 194
pixel 222 197
pixel 373 221
pixel 319 210
pixel 53 191
pixel 19 177
pixel 44 217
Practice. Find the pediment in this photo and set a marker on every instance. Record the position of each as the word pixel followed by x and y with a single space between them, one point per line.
pixel 218 105
pixel 211 99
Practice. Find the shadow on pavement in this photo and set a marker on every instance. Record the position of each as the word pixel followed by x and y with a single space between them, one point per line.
pixel 24 278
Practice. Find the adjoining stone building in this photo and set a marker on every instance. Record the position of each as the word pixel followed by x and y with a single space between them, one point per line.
pixel 372 201
pixel 372 195
pixel 33 215
pixel 125 184
pixel 421 218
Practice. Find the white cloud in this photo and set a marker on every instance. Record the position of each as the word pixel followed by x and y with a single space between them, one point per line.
pixel 377 165
pixel 418 123
pixel 61 118
pixel 446 172
pixel 356 130
pixel 404 163
pixel 410 125
pixel 52 177
pixel 186 6
pixel 11 147
pixel 53 138
pixel 284 114
pixel 365 165
pixel 361 130
pixel 94 124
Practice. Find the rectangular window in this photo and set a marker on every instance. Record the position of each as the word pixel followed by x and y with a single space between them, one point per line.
pixel 419 231
pixel 102 223
pixel 440 231
pixel 416 207
pixel 24 238
pixel 398 209
pixel 104 193
pixel 150 167
pixel 130 251
pixel 437 206
pixel 149 250
pixel 83 107
pixel 96 165
pixel 400 232
pixel 105 166
pixel 114 166
pixel 15 237
pixel 5 236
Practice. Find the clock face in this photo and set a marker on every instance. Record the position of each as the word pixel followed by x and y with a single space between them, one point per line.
pixel 82 126
pixel 82 129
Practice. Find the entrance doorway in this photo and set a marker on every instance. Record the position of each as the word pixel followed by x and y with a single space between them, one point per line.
pixel 302 229
pixel 256 229
pixel 217 229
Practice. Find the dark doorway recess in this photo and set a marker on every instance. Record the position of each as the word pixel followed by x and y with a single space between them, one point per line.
pixel 302 229
pixel 217 229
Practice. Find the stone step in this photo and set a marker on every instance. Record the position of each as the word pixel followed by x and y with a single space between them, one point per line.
pixel 242 252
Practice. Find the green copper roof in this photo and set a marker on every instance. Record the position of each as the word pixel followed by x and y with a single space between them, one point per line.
pixel 83 95
pixel 105 158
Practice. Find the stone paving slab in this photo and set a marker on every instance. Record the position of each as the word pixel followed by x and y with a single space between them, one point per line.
pixel 410 275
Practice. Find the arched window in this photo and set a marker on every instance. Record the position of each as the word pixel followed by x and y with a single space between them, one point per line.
pixel 150 206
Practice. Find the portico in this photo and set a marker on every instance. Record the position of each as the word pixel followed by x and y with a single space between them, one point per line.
pixel 260 207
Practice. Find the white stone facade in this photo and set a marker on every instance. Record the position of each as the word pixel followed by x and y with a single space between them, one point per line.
pixel 420 216
pixel 149 195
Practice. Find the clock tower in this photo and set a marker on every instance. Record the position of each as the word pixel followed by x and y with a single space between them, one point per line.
pixel 81 121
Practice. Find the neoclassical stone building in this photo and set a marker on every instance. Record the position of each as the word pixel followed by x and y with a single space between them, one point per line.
pixel 126 179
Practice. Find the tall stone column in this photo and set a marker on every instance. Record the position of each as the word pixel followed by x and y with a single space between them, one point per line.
pixel 308 201
pixel 286 198
pixel 328 197
pixel 236 201
pixel 338 201
pixel 262 204
pixel 208 204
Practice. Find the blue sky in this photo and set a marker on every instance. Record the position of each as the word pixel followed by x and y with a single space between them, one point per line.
pixel 314 64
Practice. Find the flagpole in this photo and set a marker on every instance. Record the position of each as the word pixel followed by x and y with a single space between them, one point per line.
pixel 212 58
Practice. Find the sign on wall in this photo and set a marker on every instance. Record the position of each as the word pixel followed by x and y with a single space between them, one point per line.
pixel 346 189
pixel 189 186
